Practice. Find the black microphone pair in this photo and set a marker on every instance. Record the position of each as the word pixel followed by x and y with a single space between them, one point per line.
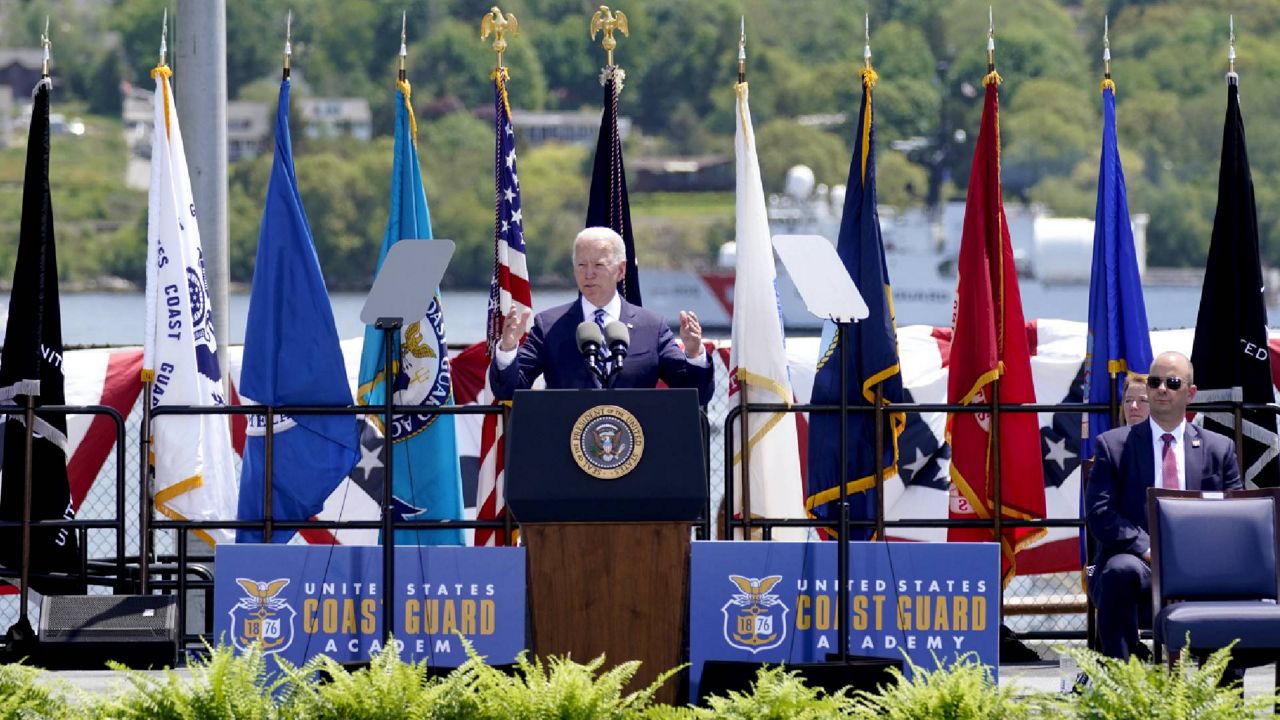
pixel 604 352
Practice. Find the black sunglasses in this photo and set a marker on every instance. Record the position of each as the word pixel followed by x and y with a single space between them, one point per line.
pixel 1171 382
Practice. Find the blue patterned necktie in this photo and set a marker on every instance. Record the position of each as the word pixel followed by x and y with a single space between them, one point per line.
pixel 600 318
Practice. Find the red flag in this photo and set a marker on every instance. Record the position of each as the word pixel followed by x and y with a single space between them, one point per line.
pixel 990 345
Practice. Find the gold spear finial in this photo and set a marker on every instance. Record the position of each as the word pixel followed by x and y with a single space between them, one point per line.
pixel 164 36
pixel 404 48
pixel 1231 47
pixel 608 21
pixel 742 50
pixel 1106 47
pixel 991 40
pixel 288 43
pixel 45 45
pixel 498 24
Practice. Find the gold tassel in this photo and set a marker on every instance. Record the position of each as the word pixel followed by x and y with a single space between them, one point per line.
pixel 869 77
pixel 413 122
pixel 992 78
pixel 1107 84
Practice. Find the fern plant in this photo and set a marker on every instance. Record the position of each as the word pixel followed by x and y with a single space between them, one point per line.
pixel 24 696
pixel 964 690
pixel 779 694
pixel 388 688
pixel 1119 690
pixel 223 687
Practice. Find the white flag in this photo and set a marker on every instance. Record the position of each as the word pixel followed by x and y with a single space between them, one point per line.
pixel 192 460
pixel 758 362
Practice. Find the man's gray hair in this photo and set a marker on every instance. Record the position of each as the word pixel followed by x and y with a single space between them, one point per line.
pixel 617 249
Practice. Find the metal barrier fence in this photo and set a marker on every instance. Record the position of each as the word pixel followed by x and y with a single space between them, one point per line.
pixel 109 522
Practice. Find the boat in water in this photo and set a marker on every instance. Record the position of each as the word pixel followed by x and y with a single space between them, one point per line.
pixel 1053 256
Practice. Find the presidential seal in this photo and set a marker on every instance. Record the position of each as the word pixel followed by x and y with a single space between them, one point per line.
pixel 607 442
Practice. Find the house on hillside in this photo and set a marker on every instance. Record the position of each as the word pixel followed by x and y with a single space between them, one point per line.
pixel 694 173
pixel 20 70
pixel 248 129
pixel 348 117
pixel 534 127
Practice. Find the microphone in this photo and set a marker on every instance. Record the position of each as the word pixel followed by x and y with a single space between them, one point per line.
pixel 618 340
pixel 590 340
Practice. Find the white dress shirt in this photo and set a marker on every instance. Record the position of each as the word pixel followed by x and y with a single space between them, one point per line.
pixel 1179 454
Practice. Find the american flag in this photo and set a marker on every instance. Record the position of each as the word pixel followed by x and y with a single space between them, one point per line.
pixel 509 288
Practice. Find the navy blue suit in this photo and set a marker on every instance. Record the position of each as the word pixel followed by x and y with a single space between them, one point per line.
pixel 551 350
pixel 1116 515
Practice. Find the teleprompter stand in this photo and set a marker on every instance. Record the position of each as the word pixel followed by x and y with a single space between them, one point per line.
pixel 402 292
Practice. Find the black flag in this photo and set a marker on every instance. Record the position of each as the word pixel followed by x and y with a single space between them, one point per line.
pixel 31 366
pixel 608 206
pixel 1230 352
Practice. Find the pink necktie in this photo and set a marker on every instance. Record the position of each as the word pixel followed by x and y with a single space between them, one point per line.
pixel 1169 472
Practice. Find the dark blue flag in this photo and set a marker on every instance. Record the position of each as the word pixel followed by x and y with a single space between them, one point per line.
pixel 291 357
pixel 1119 341
pixel 871 352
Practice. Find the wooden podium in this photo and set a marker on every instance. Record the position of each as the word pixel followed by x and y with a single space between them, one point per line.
pixel 607 533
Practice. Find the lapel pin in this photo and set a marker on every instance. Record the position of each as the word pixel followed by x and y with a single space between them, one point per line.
pixel 1195 443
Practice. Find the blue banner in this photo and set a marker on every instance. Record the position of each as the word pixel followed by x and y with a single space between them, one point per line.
pixel 777 602
pixel 301 601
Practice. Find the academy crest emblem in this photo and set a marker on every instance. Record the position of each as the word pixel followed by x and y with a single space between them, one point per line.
pixel 755 619
pixel 607 442
pixel 262 617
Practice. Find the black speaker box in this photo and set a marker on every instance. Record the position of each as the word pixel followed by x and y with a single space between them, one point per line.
pixel 719 677
pixel 83 632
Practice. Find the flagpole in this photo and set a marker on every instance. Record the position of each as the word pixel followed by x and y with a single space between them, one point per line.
pixel 743 386
pixel 29 416
pixel 145 539
pixel 996 484
pixel 878 412
pixel 1237 412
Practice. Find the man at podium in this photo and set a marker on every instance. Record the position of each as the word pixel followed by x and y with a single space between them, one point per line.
pixel 552 346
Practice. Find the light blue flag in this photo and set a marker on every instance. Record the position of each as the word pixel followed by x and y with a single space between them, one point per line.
pixel 426 482
pixel 291 357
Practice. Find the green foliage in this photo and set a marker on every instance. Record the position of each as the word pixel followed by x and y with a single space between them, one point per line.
pixel 777 694
pixel 224 686
pixel 388 688
pixel 1168 59
pixel 561 688
pixel 964 690
pixel 784 143
pixel 1121 690
pixel 25 697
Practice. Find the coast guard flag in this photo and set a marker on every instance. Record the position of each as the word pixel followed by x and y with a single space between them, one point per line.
pixel 425 479
pixel 758 360
pixel 1230 353
pixel 608 205
pixel 508 288
pixel 31 367
pixel 291 357
pixel 990 345
pixel 194 475
pixel 871 352
pixel 1119 341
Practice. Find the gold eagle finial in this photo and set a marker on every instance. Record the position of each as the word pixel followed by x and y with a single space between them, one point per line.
pixel 608 21
pixel 499 25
